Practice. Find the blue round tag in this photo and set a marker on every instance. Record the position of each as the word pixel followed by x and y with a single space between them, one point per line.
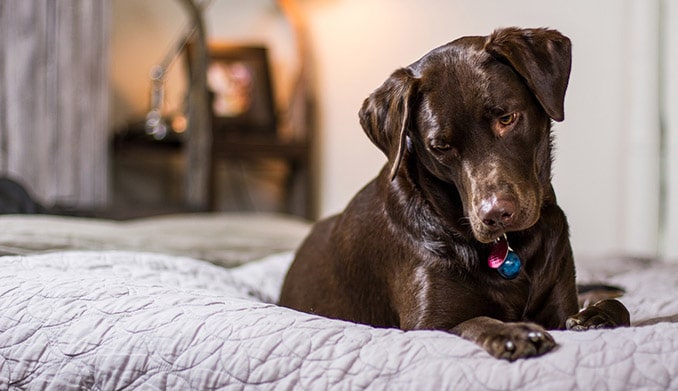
pixel 511 266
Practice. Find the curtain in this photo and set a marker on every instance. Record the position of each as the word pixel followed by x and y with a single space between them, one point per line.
pixel 54 99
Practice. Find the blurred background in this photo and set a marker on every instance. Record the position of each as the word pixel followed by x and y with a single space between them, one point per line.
pixel 88 122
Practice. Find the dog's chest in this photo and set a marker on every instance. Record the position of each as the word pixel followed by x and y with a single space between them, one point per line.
pixel 445 292
pixel 508 298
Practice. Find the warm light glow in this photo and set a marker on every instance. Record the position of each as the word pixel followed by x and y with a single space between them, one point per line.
pixel 179 123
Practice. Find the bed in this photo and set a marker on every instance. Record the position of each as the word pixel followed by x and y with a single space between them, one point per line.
pixel 187 302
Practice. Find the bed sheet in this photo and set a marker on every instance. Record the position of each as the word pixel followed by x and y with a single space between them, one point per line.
pixel 112 320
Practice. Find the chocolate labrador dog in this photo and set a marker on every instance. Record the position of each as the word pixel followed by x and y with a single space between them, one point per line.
pixel 461 230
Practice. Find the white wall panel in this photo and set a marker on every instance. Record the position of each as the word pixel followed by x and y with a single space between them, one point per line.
pixel 670 112
pixel 605 172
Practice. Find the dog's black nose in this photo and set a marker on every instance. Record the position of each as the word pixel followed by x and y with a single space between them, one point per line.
pixel 497 212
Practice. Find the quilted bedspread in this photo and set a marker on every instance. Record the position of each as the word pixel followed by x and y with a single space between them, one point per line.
pixel 128 320
pixel 227 239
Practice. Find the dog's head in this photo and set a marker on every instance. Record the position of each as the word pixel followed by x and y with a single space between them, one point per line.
pixel 476 113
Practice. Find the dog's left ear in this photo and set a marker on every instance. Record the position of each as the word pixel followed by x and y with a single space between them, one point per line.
pixel 385 115
pixel 542 57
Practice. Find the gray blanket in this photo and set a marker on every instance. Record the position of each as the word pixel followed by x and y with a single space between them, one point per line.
pixel 227 239
pixel 128 320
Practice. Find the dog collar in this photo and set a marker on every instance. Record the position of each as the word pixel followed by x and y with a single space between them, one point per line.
pixel 504 259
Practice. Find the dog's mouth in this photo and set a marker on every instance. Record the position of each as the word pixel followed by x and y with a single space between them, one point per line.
pixel 488 237
pixel 490 229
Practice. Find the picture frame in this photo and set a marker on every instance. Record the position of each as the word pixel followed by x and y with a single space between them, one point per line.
pixel 239 81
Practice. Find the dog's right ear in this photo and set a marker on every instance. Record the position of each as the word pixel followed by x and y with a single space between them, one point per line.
pixel 385 115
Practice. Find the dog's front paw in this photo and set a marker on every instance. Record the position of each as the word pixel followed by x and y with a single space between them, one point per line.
pixel 518 340
pixel 605 314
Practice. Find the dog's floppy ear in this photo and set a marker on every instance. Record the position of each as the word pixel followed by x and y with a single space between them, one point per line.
pixel 385 115
pixel 542 57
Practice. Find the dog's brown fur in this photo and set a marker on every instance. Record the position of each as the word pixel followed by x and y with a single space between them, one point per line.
pixel 467 132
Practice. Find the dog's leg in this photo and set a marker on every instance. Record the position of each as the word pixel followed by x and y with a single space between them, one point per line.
pixel 509 341
pixel 605 314
pixel 588 294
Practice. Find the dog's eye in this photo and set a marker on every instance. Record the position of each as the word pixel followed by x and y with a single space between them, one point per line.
pixel 444 150
pixel 508 119
pixel 440 146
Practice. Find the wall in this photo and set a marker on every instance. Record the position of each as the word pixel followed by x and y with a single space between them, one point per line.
pixel 670 117
pixel 605 171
